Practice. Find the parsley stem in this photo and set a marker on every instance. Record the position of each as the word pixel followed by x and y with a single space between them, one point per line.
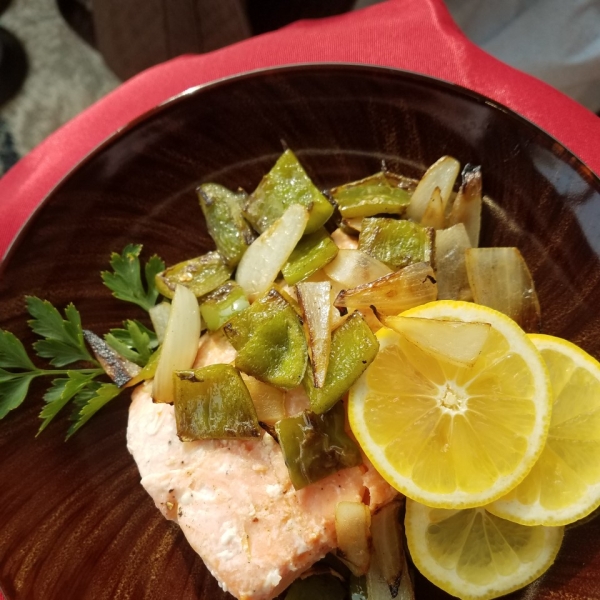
pixel 40 372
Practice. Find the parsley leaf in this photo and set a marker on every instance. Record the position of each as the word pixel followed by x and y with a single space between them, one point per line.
pixel 63 343
pixel 13 390
pixel 135 342
pixel 12 352
pixel 125 281
pixel 90 401
pixel 61 391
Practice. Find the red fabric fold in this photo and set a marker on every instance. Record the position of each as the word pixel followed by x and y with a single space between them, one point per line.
pixel 416 35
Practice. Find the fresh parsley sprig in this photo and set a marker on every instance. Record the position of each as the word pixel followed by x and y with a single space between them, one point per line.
pixel 125 281
pixel 62 344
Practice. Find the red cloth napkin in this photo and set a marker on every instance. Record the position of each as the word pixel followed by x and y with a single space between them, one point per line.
pixel 416 35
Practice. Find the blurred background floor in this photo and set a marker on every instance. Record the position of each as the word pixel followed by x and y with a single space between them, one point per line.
pixel 65 76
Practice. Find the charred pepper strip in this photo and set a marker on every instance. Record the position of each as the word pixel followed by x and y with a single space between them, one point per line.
pixel 353 349
pixel 219 306
pixel 202 275
pixel 213 403
pixel 312 253
pixel 315 446
pixel 285 184
pixel 397 243
pixel 373 195
pixel 226 225
pixel 323 587
pixel 277 352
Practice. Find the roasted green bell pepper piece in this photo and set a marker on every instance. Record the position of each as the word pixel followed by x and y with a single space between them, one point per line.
pixel 312 253
pixel 397 243
pixel 202 275
pixel 219 306
pixel 270 341
pixel 213 403
pixel 371 196
pixel 241 326
pixel 226 225
pixel 317 587
pixel 285 184
pixel 315 446
pixel 353 349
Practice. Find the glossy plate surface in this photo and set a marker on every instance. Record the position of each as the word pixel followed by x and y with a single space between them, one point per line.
pixel 74 522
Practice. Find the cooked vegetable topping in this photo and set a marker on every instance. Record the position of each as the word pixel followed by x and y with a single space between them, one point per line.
pixel 213 403
pixel 226 225
pixel 284 185
pixel 353 348
pixel 276 352
pixel 395 242
pixel 393 293
pixel 219 306
pixel 371 196
pixel 312 253
pixel 201 275
pixel 263 261
pixel 466 208
pixel 315 446
pixel 353 533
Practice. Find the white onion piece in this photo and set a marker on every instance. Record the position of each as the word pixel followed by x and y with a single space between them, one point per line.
pixel 500 279
pixel 351 268
pixel 435 213
pixel 269 401
pixel 441 174
pixel 180 345
pixel 264 258
pixel 159 315
pixel 466 208
pixel 411 286
pixel 457 342
pixel 344 241
pixel 315 300
pixel 390 558
pixel 451 270
pixel 353 533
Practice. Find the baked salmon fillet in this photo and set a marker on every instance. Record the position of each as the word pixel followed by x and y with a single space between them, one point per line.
pixel 234 500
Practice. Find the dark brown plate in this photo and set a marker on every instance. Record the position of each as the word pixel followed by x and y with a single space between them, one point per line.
pixel 74 522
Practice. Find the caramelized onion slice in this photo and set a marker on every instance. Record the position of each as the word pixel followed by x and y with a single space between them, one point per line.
pixel 315 300
pixel 353 532
pixel 441 174
pixel 466 208
pixel 263 260
pixel 457 342
pixel 390 557
pixel 180 344
pixel 351 268
pixel 435 213
pixel 500 279
pixel 393 293
pixel 451 270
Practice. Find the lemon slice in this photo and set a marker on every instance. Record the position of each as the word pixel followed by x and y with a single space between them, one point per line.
pixel 473 554
pixel 452 436
pixel 564 484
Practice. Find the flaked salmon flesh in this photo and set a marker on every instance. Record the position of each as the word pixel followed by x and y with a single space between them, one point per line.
pixel 234 500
